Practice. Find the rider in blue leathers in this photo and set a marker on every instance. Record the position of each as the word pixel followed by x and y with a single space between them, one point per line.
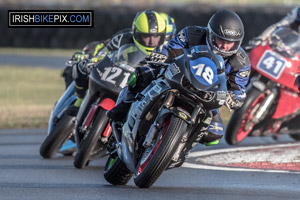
pixel 224 35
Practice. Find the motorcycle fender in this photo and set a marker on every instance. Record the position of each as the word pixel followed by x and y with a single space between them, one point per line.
pixel 107 103
pixel 259 85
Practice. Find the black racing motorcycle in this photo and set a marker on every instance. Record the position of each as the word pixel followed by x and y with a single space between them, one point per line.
pixel 167 119
pixel 92 129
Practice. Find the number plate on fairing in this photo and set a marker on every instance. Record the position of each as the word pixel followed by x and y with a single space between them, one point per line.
pixel 272 64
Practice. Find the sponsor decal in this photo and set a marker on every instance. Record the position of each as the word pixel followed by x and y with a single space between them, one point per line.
pixel 172 70
pixel 221 97
pixel 232 32
pixel 181 36
pixel 183 115
pixel 244 73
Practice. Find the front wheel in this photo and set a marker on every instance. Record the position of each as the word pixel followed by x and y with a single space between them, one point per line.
pixel 157 157
pixel 241 123
pixel 57 137
pixel 89 146
pixel 116 172
pixel 295 137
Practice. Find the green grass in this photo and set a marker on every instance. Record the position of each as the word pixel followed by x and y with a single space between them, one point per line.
pixel 27 96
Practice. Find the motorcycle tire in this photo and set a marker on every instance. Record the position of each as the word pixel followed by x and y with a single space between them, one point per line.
pixel 116 172
pixel 88 145
pixel 60 133
pixel 296 137
pixel 235 131
pixel 156 158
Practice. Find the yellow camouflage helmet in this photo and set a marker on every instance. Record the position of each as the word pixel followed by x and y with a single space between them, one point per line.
pixel 149 30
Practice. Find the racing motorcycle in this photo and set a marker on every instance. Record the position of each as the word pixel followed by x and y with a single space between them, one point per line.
pixel 167 118
pixel 92 129
pixel 272 106
pixel 60 125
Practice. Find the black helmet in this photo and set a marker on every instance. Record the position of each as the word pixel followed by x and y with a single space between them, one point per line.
pixel 225 27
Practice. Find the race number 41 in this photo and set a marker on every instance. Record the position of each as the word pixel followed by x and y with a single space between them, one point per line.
pixel 272 64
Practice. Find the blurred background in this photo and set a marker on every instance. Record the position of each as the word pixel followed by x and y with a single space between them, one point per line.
pixel 31 58
pixel 114 15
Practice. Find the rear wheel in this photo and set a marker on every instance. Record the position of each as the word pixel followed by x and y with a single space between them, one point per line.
pixel 241 122
pixel 157 157
pixel 91 145
pixel 60 133
pixel 116 172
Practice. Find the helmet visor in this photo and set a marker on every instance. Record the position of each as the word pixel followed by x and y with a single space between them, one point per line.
pixel 224 46
pixel 149 39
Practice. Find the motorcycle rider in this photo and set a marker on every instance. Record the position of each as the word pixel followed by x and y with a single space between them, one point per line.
pixel 223 35
pixel 148 32
pixel 292 20
pixel 94 48
pixel 170 26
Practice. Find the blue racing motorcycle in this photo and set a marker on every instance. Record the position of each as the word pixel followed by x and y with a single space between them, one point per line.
pixel 167 119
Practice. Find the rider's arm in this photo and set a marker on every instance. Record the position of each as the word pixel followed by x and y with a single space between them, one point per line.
pixel 237 70
pixel 286 21
pixel 174 47
pixel 118 40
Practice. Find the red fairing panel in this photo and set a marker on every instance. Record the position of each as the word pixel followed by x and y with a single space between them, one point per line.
pixel 288 103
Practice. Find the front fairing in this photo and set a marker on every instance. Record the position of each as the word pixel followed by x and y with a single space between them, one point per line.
pixel 275 66
pixel 113 71
pixel 200 74
pixel 136 115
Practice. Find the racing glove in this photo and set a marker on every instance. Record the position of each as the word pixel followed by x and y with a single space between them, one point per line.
pixel 82 69
pixel 78 56
pixel 232 101
pixel 157 57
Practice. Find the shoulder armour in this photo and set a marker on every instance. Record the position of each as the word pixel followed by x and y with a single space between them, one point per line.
pixel 118 40
pixel 239 60
pixel 196 35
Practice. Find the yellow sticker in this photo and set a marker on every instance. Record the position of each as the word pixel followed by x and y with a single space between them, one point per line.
pixel 183 115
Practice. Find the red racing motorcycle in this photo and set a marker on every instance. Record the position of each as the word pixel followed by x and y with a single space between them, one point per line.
pixel 272 106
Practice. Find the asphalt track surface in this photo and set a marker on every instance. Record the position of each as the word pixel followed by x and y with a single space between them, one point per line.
pixel 33 61
pixel 258 168
pixel 207 173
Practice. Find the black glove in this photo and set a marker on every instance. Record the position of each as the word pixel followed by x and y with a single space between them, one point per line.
pixel 82 69
pixel 232 101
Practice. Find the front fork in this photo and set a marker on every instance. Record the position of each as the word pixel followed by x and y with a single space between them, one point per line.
pixel 166 109
pixel 105 103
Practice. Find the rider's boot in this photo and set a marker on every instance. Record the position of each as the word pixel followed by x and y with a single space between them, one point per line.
pixel 73 109
pixel 213 134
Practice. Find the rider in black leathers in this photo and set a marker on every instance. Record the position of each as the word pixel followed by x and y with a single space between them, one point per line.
pixel 223 35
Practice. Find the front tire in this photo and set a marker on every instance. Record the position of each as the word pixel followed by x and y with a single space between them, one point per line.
pixel 116 172
pixel 156 158
pixel 88 147
pixel 240 124
pixel 57 137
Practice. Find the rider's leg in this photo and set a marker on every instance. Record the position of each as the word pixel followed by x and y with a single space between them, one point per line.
pixel 214 131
